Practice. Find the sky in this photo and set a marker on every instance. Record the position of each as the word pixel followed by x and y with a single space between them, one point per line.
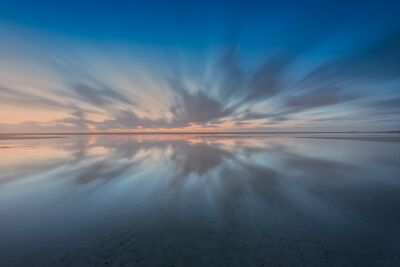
pixel 199 66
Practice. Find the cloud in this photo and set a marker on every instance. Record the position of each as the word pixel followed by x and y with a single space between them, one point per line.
pixel 125 119
pixel 226 87
pixel 388 106
pixel 324 96
pixel 101 96
pixel 14 97
pixel 268 79
pixel 193 107
pixel 377 62
pixel 197 108
pixel 75 121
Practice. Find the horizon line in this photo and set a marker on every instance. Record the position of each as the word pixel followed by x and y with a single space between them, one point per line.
pixel 164 133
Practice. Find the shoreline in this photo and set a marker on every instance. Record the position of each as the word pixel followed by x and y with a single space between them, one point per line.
pixel 356 136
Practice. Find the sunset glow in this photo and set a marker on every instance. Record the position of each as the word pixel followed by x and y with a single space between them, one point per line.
pixel 249 71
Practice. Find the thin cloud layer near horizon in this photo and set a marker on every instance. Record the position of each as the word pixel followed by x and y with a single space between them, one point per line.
pixel 79 66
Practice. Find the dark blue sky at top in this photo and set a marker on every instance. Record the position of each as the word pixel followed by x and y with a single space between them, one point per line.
pixel 294 56
pixel 290 24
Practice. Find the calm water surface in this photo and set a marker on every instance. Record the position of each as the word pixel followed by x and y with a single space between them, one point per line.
pixel 200 200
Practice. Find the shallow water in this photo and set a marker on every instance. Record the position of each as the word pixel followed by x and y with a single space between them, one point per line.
pixel 200 200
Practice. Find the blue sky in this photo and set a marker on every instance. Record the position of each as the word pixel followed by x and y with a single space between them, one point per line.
pixel 199 65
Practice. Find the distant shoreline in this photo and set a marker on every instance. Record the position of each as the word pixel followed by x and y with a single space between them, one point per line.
pixel 175 133
pixel 392 136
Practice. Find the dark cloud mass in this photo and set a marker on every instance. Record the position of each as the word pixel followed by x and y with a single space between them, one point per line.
pixel 99 97
pixel 197 108
pixel 268 80
pixel 321 97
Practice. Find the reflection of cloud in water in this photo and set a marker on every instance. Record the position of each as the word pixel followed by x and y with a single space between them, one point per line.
pixel 260 195
pixel 233 167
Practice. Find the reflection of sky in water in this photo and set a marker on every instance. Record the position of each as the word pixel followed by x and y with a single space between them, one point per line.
pixel 199 200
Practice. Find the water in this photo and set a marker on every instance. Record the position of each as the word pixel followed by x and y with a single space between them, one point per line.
pixel 200 200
